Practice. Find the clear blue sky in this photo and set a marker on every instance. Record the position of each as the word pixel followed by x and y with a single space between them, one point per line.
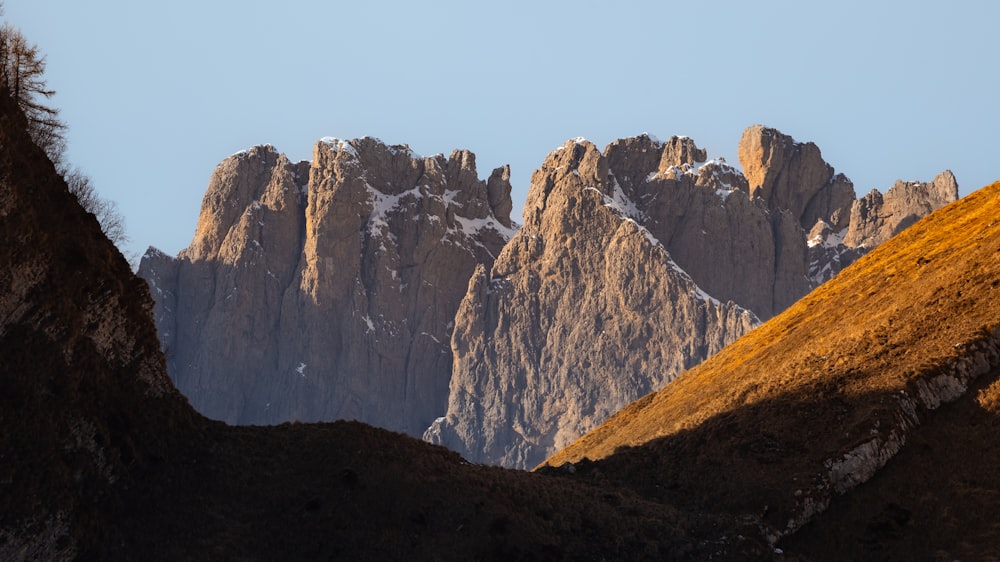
pixel 157 93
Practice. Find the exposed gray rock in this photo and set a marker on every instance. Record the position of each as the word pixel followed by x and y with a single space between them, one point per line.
pixel 793 176
pixel 327 290
pixel 584 310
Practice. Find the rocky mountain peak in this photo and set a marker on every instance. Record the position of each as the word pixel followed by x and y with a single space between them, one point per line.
pixel 678 151
pixel 577 158
pixel 793 176
pixel 340 287
pixel 876 217
pixel 251 178
pixel 327 289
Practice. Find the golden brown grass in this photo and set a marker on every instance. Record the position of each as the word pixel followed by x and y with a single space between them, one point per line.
pixel 896 314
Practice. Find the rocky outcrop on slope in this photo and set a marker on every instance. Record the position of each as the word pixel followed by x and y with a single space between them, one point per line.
pixel 532 369
pixel 327 290
pixel 585 310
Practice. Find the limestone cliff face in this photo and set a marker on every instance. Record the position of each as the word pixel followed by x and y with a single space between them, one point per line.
pixel 329 290
pixel 615 283
pixel 585 310
pixel 326 290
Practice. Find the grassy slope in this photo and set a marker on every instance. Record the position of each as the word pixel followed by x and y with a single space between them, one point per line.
pixel 742 432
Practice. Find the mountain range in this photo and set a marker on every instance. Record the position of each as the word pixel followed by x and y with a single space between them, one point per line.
pixel 377 285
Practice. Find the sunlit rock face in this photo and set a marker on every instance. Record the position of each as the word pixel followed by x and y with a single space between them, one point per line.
pixel 327 289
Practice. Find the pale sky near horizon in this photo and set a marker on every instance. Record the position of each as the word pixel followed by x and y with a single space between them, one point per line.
pixel 157 94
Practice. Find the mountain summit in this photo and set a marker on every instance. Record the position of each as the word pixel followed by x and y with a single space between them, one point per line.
pixel 376 285
pixel 585 309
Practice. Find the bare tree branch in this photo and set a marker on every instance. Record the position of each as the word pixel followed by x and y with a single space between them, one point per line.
pixel 106 210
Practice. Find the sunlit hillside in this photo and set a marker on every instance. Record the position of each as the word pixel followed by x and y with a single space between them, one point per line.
pixel 818 399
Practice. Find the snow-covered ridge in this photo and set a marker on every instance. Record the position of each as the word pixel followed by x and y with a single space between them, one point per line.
pixel 624 204
pixel 717 166
pixel 384 204
pixel 474 226
pixel 340 145
pixel 347 146
pixel 574 140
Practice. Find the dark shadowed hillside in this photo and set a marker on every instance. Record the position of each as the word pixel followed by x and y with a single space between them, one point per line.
pixel 86 407
pixel 939 498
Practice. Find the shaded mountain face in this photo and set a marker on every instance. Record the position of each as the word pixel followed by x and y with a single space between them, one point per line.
pixel 638 263
pixel 327 290
pixel 340 288
pixel 939 497
pixel 832 392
